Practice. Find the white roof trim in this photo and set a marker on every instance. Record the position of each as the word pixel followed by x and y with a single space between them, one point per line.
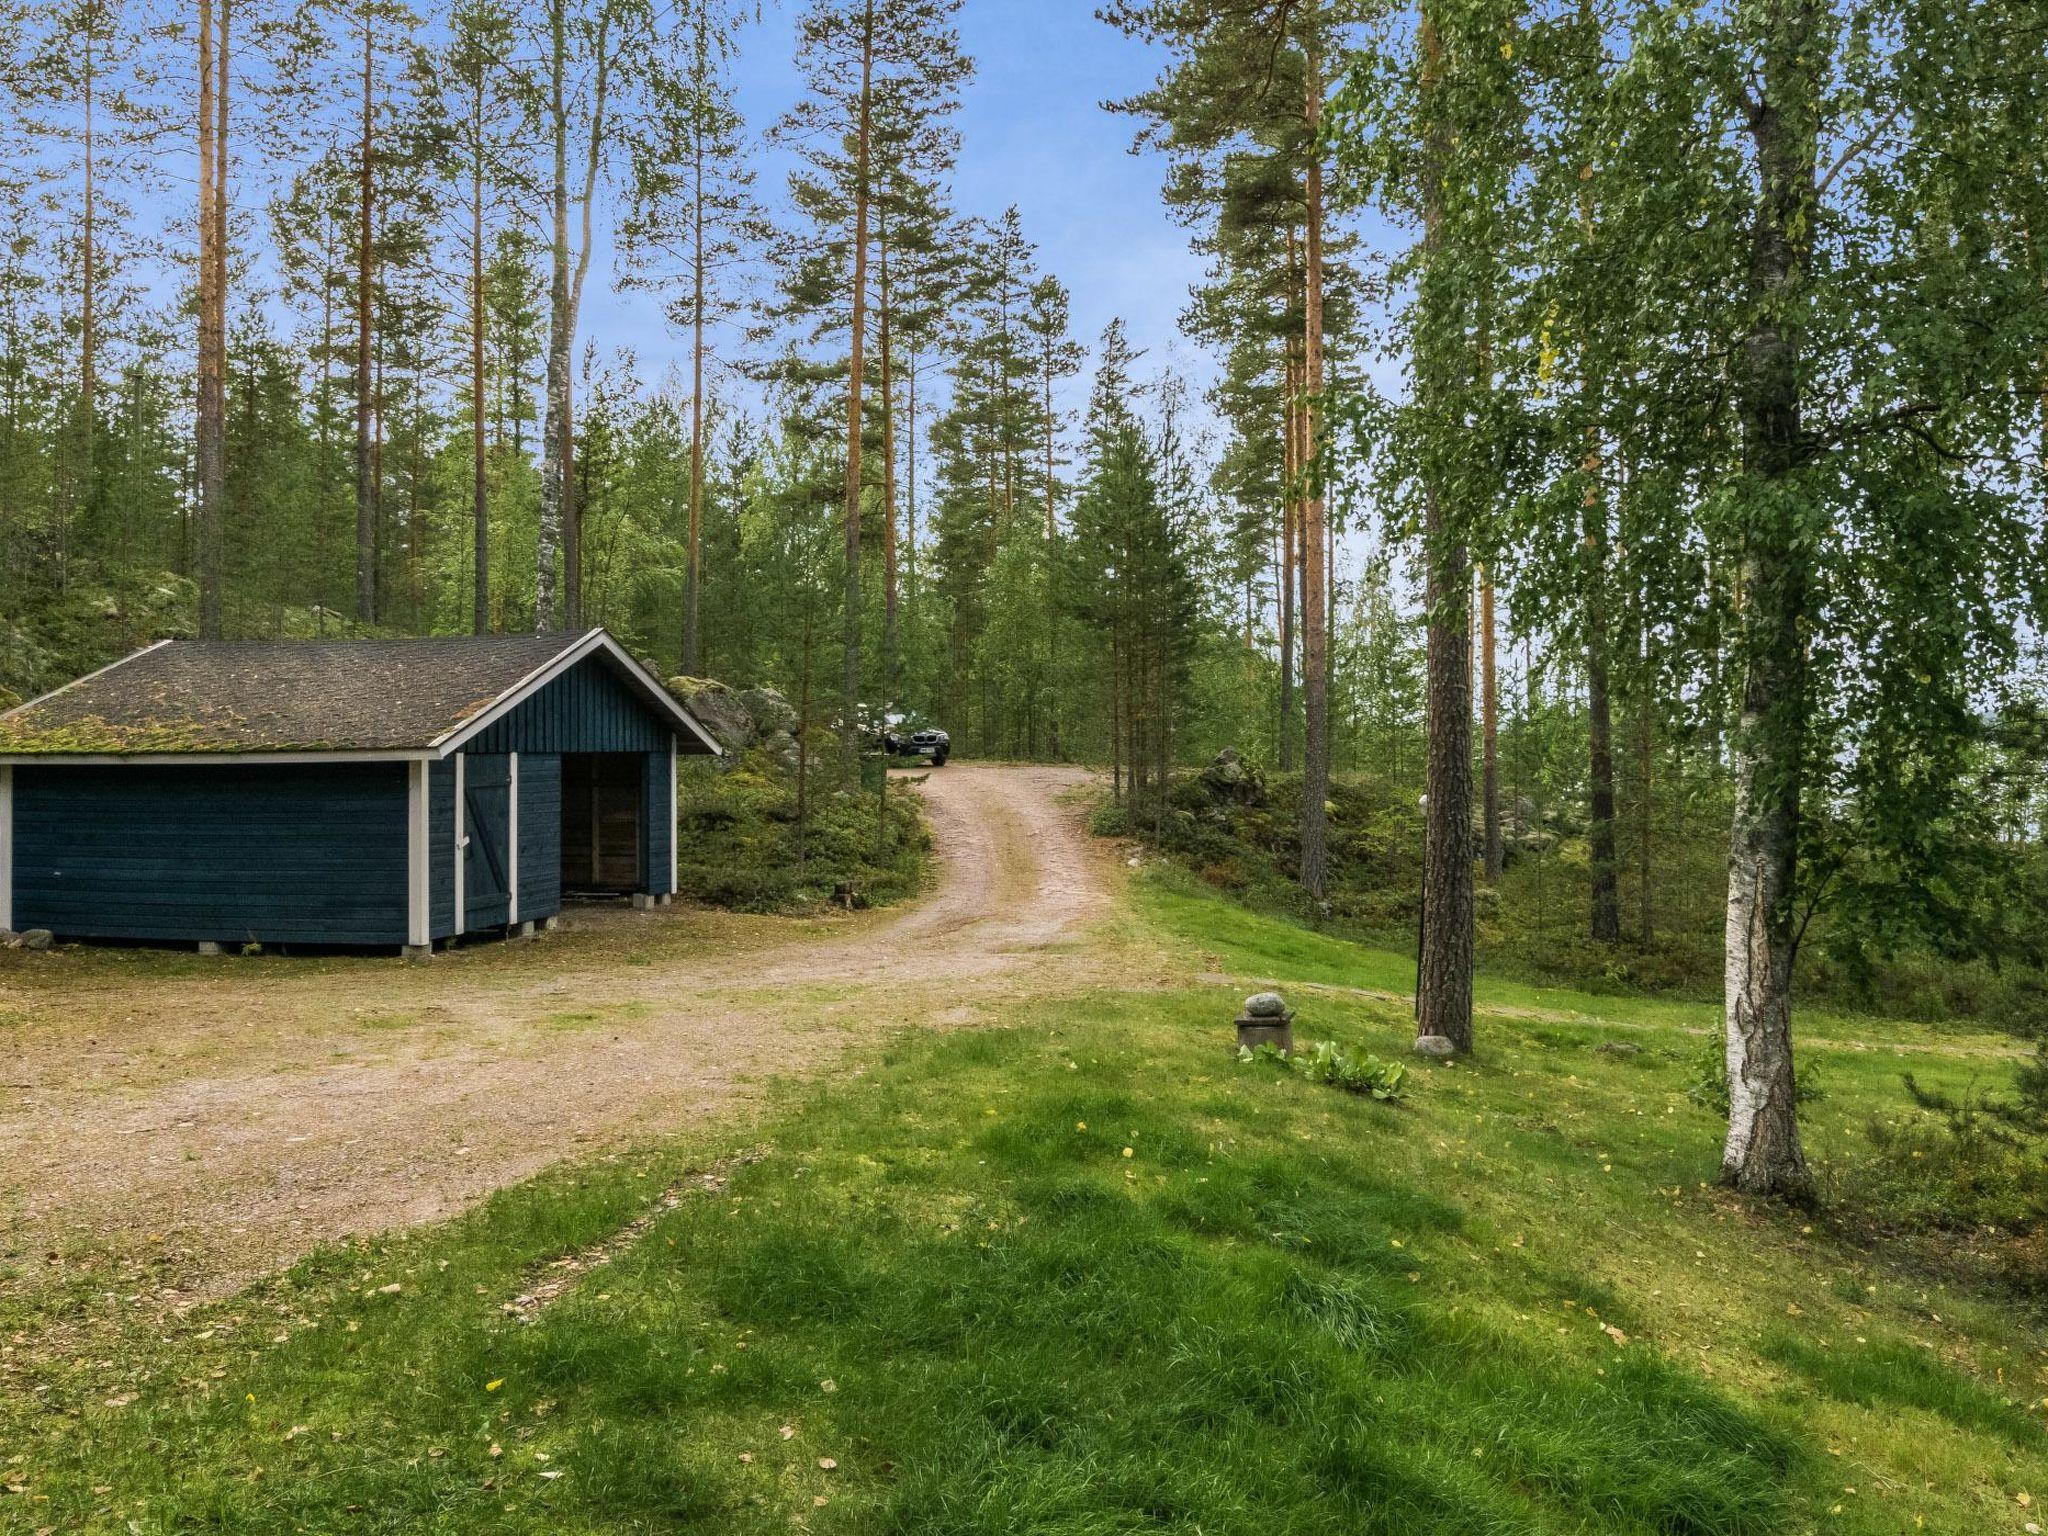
pixel 658 690
pixel 74 759
pixel 589 645
pixel 547 672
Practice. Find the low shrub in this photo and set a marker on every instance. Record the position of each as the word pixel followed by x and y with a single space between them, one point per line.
pixel 1112 818
pixel 740 844
pixel 1329 1063
pixel 1953 1171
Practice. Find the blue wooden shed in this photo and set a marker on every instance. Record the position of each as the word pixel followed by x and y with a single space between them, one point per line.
pixel 351 792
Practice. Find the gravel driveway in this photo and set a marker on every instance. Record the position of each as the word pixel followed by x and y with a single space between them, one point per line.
pixel 197 1123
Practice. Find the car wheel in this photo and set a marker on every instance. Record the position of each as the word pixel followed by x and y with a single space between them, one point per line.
pixel 939 761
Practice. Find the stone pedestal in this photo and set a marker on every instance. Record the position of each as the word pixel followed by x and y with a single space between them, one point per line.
pixel 1266 1020
pixel 1278 1033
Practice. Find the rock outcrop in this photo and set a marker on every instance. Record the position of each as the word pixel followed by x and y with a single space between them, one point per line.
pixel 741 719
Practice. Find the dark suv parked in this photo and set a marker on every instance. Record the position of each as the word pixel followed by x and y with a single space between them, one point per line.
pixel 928 743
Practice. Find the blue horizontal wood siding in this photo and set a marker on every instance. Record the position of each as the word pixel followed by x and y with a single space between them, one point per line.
pixel 292 853
pixel 658 827
pixel 441 848
pixel 540 836
pixel 586 709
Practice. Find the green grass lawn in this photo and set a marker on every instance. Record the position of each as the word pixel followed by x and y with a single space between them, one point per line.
pixel 1087 1274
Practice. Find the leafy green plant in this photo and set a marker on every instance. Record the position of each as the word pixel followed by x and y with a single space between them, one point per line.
pixel 1327 1062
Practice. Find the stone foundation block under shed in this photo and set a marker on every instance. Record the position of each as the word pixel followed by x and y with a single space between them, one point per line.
pixel 358 792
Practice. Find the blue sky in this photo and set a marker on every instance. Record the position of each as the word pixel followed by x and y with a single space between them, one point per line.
pixel 1033 133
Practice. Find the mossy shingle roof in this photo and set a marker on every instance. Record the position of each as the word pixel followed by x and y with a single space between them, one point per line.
pixel 281 696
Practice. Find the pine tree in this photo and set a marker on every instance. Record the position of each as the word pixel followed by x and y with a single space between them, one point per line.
pixel 1240 110
pixel 1131 576
pixel 694 230
pixel 853 57
pixel 77 124
pixel 481 120
pixel 212 225
pixel 916 269
pixel 988 443
pixel 1056 356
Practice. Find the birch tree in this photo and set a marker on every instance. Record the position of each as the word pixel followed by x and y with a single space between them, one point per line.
pixel 593 55
pixel 1810 334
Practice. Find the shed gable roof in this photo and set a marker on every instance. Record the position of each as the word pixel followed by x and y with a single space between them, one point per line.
pixel 313 697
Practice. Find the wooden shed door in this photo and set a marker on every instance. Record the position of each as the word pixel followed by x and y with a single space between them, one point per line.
pixel 601 839
pixel 487 823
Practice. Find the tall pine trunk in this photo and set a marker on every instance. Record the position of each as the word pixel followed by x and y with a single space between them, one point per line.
pixel 892 644
pixel 1443 994
pixel 377 473
pixel 555 431
pixel 593 161
pixel 324 415
pixel 1315 677
pixel 88 309
pixel 211 424
pixel 849 734
pixel 1763 1155
pixel 1489 734
pixel 366 468
pixel 910 496
pixel 1289 470
pixel 480 507
pixel 693 572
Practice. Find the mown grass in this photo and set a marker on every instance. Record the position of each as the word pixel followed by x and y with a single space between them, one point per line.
pixel 1086 1274
pixel 1244 941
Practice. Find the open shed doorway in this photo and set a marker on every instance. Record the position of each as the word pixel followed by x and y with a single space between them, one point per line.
pixel 602 838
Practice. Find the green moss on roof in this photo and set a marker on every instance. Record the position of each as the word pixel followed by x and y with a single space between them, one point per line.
pixel 100 737
pixel 280 696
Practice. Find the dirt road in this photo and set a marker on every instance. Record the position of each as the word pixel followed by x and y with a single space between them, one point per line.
pixel 219 1118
